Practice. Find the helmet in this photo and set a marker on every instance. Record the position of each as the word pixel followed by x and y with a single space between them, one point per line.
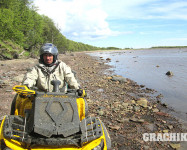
pixel 49 48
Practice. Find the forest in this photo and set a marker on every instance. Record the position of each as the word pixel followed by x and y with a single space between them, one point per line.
pixel 23 31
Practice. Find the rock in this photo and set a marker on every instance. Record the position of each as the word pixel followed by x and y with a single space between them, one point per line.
pixel 175 146
pixel 141 121
pixel 101 113
pixel 15 56
pixel 159 96
pixel 115 127
pixel 109 78
pixel 136 108
pixel 155 110
pixel 170 127
pixel 164 105
pixel 125 105
pixel 169 73
pixel 120 79
pixel 162 114
pixel 108 59
pixel 123 120
pixel 130 107
pixel 164 121
pixel 142 86
pixel 142 102
pixel 137 120
pixel 100 90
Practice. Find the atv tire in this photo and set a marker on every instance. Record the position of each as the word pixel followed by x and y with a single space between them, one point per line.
pixel 13 105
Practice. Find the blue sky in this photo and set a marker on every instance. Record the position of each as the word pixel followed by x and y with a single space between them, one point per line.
pixel 123 24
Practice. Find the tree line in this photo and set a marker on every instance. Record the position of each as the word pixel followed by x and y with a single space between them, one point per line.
pixel 21 24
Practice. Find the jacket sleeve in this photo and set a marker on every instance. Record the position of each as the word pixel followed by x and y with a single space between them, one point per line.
pixel 69 77
pixel 30 77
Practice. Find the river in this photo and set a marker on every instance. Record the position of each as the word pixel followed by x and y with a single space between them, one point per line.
pixel 149 67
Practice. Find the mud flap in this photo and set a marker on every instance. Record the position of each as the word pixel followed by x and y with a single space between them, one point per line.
pixel 14 128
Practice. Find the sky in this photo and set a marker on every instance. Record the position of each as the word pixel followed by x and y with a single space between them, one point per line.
pixel 119 23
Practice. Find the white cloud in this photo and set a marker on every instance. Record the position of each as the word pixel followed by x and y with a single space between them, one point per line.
pixel 146 9
pixel 77 18
pixel 85 20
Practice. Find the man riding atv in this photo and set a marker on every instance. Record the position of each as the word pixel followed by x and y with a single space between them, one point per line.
pixel 48 69
pixel 48 118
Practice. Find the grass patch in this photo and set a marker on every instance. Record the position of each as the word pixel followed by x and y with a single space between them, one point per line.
pixel 10 49
pixel 26 54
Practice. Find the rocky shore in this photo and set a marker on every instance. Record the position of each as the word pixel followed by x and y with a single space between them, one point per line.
pixel 127 109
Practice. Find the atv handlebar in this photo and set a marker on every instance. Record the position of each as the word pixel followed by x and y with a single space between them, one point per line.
pixel 56 84
pixel 25 91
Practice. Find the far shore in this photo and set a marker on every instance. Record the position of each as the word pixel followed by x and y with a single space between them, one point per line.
pixel 129 49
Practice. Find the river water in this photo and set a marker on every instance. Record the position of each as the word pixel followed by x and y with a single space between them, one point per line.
pixel 149 67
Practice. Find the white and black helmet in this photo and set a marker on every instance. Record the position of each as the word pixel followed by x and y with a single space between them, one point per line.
pixel 49 48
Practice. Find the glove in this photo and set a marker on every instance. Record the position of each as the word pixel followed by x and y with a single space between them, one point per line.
pixel 21 94
pixel 81 92
pixel 27 85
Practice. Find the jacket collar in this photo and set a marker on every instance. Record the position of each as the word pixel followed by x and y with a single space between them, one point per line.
pixel 48 69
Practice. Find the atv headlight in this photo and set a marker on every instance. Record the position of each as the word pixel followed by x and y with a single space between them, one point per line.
pixel 100 146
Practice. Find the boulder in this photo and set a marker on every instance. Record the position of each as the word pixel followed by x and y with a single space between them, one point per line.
pixel 142 102
pixel 155 110
pixel 119 78
pixel 169 73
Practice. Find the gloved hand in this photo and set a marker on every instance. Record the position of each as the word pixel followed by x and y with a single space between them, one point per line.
pixel 27 85
pixel 21 94
pixel 81 92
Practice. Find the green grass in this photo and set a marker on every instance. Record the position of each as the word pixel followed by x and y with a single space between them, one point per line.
pixel 9 49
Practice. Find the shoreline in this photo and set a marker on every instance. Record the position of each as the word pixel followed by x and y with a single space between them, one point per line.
pixel 115 103
pixel 115 100
pixel 116 61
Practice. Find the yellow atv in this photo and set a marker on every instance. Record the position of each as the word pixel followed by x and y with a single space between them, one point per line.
pixel 52 121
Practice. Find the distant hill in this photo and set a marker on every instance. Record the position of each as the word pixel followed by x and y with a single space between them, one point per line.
pixel 169 47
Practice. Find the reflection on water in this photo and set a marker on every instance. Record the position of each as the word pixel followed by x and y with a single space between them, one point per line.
pixel 149 67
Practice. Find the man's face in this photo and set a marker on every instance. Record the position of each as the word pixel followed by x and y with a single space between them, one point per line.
pixel 48 58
